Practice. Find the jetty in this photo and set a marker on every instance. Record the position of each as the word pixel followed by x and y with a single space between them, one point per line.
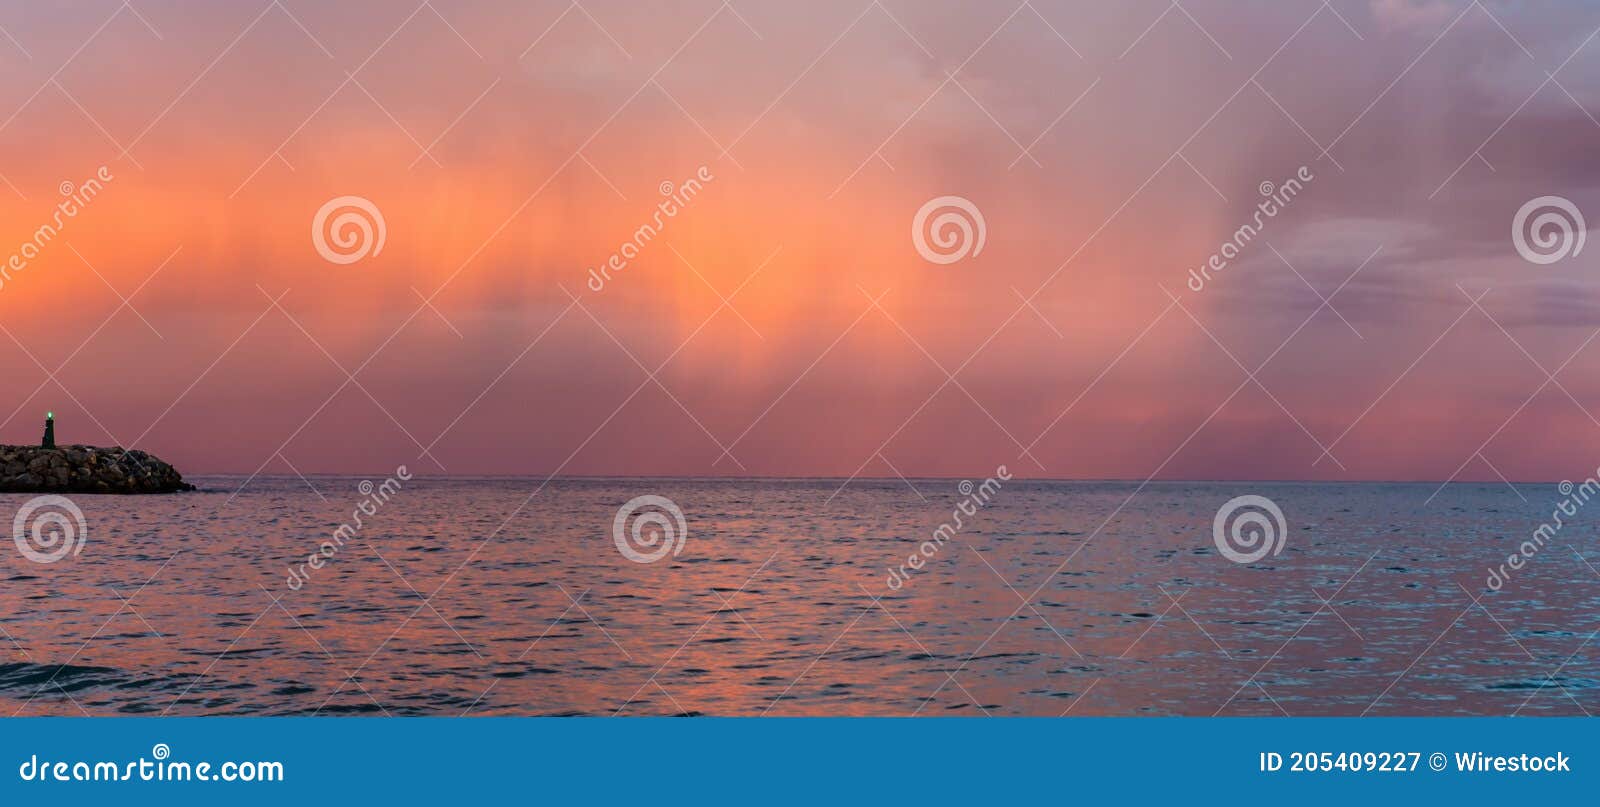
pixel 48 468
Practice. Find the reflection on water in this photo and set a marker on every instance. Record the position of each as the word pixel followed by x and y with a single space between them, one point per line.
pixel 451 600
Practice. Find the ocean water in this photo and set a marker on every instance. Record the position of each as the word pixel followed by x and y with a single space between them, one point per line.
pixel 502 597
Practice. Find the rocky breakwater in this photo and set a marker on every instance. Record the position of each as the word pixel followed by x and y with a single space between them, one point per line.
pixel 85 469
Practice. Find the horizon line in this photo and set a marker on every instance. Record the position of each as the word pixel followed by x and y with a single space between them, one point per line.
pixel 825 478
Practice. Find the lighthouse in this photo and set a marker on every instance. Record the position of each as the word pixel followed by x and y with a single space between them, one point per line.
pixel 49 430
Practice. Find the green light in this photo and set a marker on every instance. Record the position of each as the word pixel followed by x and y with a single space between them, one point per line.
pixel 49 416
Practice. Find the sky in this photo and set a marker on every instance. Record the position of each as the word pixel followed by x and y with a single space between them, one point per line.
pixel 1381 324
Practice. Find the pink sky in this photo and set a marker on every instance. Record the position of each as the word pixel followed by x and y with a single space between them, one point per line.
pixel 512 147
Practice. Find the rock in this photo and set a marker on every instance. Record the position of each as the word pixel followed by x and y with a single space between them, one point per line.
pixel 85 469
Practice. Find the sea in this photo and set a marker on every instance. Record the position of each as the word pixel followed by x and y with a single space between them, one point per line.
pixel 925 597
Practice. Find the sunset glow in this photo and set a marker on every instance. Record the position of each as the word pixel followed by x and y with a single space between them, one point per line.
pixel 781 322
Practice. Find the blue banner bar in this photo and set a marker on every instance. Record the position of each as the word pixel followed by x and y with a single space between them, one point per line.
pixel 795 761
